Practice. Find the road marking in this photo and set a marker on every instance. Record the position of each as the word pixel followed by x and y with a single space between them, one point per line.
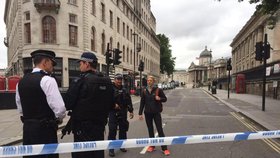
pixel 270 142
pixel 144 150
pixel 210 96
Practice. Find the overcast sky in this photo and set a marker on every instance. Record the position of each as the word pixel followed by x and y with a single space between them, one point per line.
pixel 192 24
pixel 189 24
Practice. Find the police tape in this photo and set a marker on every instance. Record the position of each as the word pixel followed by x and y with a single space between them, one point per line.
pixel 42 149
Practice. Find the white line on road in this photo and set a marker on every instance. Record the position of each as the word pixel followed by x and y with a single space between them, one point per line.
pixel 144 150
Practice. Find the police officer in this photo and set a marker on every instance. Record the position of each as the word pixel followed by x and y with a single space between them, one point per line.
pixel 118 116
pixel 90 97
pixel 40 103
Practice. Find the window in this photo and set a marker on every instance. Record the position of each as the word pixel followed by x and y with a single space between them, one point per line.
pixel 123 29
pixel 93 48
pixel 73 18
pixel 27 16
pixel 73 35
pixel 118 3
pixel 111 42
pixel 118 24
pixel 103 43
pixel 24 1
pixel 127 32
pixel 103 12
pixel 111 19
pixel 93 7
pixel 27 33
pixel 49 29
pixel 72 2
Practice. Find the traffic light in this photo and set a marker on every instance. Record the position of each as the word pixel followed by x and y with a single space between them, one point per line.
pixel 259 51
pixel 109 59
pixel 141 66
pixel 229 67
pixel 117 57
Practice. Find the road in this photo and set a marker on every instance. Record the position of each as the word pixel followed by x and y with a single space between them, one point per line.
pixel 194 112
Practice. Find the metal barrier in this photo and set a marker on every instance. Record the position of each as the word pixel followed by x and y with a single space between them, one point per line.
pixel 24 150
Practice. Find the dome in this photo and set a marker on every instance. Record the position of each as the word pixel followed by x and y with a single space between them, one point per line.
pixel 205 53
pixel 221 61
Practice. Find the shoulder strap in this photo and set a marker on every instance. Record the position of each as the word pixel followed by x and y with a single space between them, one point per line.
pixel 157 92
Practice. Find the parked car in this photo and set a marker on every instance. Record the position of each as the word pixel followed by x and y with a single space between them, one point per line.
pixel 159 85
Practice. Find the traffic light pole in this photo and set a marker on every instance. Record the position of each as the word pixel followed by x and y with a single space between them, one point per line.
pixel 228 83
pixel 264 72
pixel 107 60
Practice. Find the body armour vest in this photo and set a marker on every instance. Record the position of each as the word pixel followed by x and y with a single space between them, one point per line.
pixel 95 99
pixel 32 97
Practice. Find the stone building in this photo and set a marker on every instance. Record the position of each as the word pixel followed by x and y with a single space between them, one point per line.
pixel 207 70
pixel 202 73
pixel 181 76
pixel 70 27
pixel 243 57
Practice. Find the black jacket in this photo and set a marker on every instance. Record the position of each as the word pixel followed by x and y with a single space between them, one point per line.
pixel 122 98
pixel 149 103
pixel 91 98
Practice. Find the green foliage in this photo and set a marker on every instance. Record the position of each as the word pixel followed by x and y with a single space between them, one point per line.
pixel 167 62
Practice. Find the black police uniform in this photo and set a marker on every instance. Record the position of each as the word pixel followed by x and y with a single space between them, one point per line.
pixel 118 117
pixel 39 120
pixel 90 98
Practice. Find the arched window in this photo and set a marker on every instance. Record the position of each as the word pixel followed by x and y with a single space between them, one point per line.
pixel 93 7
pixel 103 45
pixel 49 29
pixel 93 48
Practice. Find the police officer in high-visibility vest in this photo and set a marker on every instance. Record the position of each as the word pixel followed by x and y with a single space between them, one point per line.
pixel 40 103
pixel 118 116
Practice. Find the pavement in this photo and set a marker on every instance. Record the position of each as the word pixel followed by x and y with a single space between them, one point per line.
pixel 249 105
pixel 11 126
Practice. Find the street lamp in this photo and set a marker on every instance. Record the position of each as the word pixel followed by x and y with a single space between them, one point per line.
pixel 134 52
pixel 133 80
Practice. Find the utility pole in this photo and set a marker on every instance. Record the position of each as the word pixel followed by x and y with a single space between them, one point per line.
pixel 262 54
pixel 229 67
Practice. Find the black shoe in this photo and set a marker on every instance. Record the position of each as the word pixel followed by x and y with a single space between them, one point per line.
pixel 111 153
pixel 123 150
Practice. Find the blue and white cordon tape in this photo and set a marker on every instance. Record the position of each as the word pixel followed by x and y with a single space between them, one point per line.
pixel 24 150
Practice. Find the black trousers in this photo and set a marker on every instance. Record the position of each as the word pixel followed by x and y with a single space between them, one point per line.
pixel 115 122
pixel 38 132
pixel 156 117
pixel 88 131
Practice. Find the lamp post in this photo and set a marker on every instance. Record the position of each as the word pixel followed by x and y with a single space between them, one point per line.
pixel 133 80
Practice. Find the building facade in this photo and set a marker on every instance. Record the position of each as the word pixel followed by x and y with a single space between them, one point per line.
pixel 207 70
pixel 202 73
pixel 243 56
pixel 70 27
pixel 181 76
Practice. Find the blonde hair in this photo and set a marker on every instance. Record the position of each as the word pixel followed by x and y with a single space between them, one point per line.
pixel 152 77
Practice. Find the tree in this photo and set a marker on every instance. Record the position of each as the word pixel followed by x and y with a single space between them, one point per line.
pixel 167 62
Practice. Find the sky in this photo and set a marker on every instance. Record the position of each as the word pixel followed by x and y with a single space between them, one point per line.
pixel 189 24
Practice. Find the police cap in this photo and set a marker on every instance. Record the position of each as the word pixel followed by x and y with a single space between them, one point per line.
pixel 118 76
pixel 44 53
pixel 88 57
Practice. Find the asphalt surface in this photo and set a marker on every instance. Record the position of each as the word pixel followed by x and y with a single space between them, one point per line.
pixel 189 112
